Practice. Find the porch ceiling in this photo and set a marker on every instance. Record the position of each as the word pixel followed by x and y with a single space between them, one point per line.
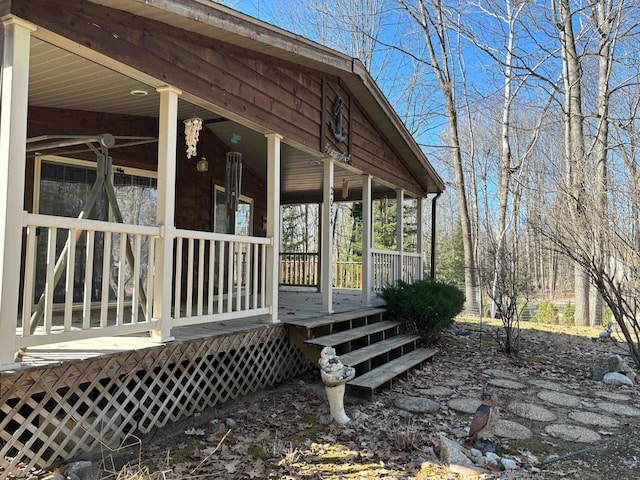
pixel 61 79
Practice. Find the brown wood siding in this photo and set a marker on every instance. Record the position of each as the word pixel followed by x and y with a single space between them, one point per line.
pixel 372 154
pixel 291 100
pixel 285 100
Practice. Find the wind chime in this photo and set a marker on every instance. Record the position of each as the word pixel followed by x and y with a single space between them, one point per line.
pixel 233 180
pixel 192 127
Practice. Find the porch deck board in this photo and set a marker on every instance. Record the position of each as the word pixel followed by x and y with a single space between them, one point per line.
pixel 295 304
pixel 361 355
pixel 333 318
pixel 353 334
pixel 389 371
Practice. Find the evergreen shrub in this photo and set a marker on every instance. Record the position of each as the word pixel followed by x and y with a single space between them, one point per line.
pixel 424 308
pixel 547 313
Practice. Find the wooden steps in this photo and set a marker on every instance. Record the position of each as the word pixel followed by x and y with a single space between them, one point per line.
pixel 385 374
pixel 364 340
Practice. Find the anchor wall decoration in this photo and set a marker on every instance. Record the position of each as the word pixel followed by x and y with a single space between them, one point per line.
pixel 338 131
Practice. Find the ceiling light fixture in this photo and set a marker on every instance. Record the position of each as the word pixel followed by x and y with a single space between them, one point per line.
pixel 139 93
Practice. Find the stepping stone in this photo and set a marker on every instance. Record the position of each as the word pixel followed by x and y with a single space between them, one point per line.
pixel 505 383
pixel 572 433
pixel 532 412
pixel 613 396
pixel 619 409
pixel 595 419
pixel 557 398
pixel 437 391
pixel 417 405
pixel 455 382
pixel 547 385
pixel 495 372
pixel 464 405
pixel 509 429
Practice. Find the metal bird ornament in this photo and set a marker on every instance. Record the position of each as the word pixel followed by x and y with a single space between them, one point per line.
pixel 483 424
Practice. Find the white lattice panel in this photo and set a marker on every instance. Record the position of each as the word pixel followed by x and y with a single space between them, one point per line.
pixel 56 412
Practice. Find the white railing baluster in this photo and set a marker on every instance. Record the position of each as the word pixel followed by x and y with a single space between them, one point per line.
pixel 221 276
pixel 106 276
pixel 200 277
pixel 238 275
pixel 178 285
pixel 150 275
pixel 121 279
pixel 49 286
pixel 247 271
pixel 263 277
pixel 135 300
pixel 29 279
pixel 255 275
pixel 71 267
pixel 212 266
pixel 189 299
pixel 88 279
pixel 230 275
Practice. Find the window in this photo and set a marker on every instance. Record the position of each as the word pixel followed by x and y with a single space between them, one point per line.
pixel 62 187
pixel 243 217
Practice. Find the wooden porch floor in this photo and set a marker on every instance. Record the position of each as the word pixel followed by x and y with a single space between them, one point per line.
pixel 295 303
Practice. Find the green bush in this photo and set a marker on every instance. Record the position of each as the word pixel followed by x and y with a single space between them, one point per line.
pixel 569 314
pixel 547 313
pixel 424 308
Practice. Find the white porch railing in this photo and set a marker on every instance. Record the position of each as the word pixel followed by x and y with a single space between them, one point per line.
pixel 118 285
pixel 98 279
pixel 386 271
pixel 224 279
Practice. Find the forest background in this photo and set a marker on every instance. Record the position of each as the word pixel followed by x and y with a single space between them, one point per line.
pixel 529 111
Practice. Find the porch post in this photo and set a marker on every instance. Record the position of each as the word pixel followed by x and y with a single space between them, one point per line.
pixel 399 230
pixel 367 264
pixel 327 237
pixel 273 223
pixel 13 140
pixel 163 278
pixel 420 234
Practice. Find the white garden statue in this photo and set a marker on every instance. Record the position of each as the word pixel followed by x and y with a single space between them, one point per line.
pixel 334 375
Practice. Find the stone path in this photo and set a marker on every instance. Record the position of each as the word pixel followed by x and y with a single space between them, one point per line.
pixel 548 409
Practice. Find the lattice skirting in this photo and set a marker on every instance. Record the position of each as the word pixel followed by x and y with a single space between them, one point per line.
pixel 56 412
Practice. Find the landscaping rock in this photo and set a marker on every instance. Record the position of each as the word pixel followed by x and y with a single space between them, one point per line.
pixel 496 372
pixel 437 391
pixel 572 433
pixel 617 379
pixel 595 419
pixel 547 385
pixel 532 412
pixel 558 398
pixel 509 429
pixel 453 453
pixel 619 409
pixel 505 383
pixel 417 405
pixel 612 364
pixel 464 405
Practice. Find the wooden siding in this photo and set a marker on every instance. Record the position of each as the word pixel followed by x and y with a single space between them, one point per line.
pixel 277 95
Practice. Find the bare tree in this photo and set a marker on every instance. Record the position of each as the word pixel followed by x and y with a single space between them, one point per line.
pixel 432 19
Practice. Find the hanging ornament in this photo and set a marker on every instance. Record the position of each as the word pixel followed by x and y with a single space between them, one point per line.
pixel 192 127
pixel 233 179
